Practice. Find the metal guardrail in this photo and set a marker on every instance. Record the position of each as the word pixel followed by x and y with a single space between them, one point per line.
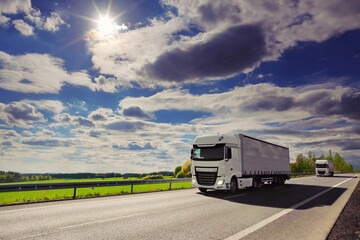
pixel 75 185
pixel 301 174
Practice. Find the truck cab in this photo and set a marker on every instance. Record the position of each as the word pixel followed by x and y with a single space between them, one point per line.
pixel 215 161
pixel 324 168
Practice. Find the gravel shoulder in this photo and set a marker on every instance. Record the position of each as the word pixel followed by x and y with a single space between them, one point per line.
pixel 347 226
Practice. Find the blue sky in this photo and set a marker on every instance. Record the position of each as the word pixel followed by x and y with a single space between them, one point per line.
pixel 126 86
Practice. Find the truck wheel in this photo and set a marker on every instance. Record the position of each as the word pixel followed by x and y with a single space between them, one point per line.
pixel 282 180
pixel 203 190
pixel 276 180
pixel 233 185
pixel 255 183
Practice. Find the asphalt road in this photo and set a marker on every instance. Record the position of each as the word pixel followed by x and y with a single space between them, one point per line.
pixel 303 208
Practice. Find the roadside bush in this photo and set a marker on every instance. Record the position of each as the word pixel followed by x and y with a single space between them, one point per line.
pixel 153 177
pixel 180 175
pixel 188 175
pixel 177 170
pixel 186 168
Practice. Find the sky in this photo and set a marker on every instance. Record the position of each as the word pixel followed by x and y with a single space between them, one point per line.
pixel 126 85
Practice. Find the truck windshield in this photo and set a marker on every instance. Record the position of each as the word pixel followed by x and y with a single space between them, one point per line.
pixel 321 165
pixel 208 153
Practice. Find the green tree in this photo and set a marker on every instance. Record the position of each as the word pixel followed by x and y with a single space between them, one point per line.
pixel 177 170
pixel 186 168
pixel 339 163
pixel 330 157
pixel 180 175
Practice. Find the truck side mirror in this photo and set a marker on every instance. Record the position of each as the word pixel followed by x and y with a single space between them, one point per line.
pixel 192 153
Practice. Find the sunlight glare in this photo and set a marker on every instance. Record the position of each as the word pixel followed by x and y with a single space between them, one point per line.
pixel 106 26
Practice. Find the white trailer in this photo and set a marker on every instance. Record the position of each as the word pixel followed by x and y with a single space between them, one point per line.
pixel 230 162
pixel 324 168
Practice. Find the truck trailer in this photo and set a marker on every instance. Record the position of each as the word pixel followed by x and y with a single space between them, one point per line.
pixel 230 162
pixel 324 168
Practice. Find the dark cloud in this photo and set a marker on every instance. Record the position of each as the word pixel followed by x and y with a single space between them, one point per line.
pixel 84 122
pixel 47 142
pixel 98 117
pixel 6 144
pixel 95 133
pixel 227 53
pixel 348 105
pixel 135 146
pixel 137 112
pixel 125 126
pixel 213 14
pixel 22 112
pixel 271 103
pixel 344 144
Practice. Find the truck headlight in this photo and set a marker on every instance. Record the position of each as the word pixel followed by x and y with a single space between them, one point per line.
pixel 220 182
pixel 194 181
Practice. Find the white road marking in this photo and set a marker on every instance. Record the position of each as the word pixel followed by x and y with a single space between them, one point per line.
pixel 242 194
pixel 100 221
pixel 268 220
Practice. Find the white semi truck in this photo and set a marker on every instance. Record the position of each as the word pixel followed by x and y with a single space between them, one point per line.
pixel 324 168
pixel 230 162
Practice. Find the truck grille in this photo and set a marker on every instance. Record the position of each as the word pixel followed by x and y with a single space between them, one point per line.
pixel 206 178
pixel 321 172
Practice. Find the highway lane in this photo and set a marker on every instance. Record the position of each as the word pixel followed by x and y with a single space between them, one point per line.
pixel 269 212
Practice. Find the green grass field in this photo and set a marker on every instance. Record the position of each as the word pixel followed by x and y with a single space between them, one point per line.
pixel 46 195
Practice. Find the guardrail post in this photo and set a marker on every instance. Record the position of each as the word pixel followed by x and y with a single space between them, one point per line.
pixel 170 186
pixel 74 192
pixel 132 188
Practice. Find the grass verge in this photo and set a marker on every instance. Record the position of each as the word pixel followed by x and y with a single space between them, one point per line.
pixel 46 195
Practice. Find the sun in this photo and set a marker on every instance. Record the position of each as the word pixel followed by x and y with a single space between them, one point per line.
pixel 106 26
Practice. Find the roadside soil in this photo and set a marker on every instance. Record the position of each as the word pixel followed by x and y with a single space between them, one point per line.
pixel 347 226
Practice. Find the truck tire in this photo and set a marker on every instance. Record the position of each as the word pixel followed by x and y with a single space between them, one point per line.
pixel 255 183
pixel 233 185
pixel 282 180
pixel 203 190
pixel 276 180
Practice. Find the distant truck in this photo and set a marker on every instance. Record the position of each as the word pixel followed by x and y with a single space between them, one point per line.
pixel 230 162
pixel 324 168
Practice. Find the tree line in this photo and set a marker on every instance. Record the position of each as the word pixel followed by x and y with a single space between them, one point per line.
pixel 306 164
pixel 10 176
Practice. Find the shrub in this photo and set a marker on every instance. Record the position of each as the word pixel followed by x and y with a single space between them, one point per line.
pixel 186 167
pixel 180 175
pixel 188 175
pixel 177 170
pixel 153 177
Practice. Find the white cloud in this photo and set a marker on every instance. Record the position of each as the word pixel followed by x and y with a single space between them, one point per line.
pixel 38 73
pixel 20 114
pixel 24 28
pixel 105 84
pixel 151 55
pixel 26 112
pixel 4 21
pixel 15 6
pixel 33 15
pixel 48 105
pixel 53 22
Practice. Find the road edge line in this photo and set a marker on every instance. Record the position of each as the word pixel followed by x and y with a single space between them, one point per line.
pixel 268 220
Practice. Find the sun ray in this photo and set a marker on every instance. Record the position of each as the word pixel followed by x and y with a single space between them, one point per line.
pixel 85 18
pixel 108 8
pixel 97 9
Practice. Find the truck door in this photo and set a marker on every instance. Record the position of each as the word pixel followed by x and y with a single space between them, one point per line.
pixel 229 152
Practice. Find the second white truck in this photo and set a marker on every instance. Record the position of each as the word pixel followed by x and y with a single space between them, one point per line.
pixel 324 168
pixel 230 162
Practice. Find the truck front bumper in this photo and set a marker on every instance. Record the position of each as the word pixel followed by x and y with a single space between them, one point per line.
pixel 219 184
